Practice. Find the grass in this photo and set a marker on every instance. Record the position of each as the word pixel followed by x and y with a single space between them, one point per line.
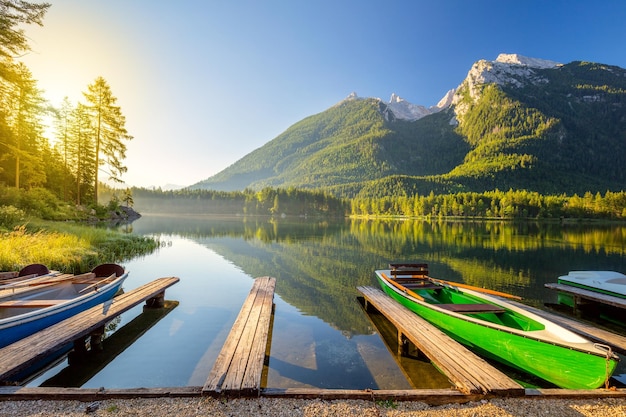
pixel 68 247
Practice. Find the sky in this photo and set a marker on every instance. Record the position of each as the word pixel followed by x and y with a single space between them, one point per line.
pixel 202 83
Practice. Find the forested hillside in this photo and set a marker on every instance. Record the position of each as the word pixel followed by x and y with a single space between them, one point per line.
pixel 564 131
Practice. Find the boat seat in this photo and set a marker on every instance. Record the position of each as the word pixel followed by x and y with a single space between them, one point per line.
pixel 472 308
pixel 418 286
pixel 420 270
pixel 29 303
pixel 33 269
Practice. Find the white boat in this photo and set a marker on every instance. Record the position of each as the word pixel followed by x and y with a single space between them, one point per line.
pixel 604 282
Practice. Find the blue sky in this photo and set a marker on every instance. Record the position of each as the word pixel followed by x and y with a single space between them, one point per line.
pixel 203 83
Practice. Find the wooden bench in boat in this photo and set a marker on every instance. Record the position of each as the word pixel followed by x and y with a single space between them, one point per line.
pixel 420 285
pixel 469 373
pixel 472 308
pixel 238 368
pixel 30 303
pixel 28 351
pixel 412 269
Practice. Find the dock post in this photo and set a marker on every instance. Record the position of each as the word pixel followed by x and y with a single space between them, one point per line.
pixel 78 353
pixel 158 301
pixel 95 339
pixel 403 344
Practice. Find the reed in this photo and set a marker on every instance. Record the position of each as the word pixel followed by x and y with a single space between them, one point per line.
pixel 70 248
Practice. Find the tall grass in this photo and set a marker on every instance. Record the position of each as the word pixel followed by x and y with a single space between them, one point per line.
pixel 66 247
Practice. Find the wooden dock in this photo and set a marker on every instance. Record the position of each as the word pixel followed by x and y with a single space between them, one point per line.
pixel 581 295
pixel 32 349
pixel 469 373
pixel 238 369
pixel 239 366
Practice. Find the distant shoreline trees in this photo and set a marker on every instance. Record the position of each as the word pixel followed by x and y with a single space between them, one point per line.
pixel 512 204
pixel 507 205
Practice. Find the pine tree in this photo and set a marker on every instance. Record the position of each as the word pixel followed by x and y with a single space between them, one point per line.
pixel 109 131
pixel 24 105
pixel 13 41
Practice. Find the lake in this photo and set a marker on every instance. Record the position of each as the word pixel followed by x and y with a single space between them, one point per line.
pixel 321 336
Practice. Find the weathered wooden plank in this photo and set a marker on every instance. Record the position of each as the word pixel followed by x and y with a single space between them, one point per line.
pixel 23 353
pixel 440 348
pixel 241 357
pixel 468 372
pixel 19 393
pixel 417 331
pixel 239 365
pixel 252 378
pixel 589 295
pixel 224 358
pixel 428 396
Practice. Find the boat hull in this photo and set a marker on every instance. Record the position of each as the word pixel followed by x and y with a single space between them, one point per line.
pixel 18 327
pixel 602 282
pixel 562 366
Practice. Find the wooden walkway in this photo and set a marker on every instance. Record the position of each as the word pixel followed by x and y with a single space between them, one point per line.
pixel 469 373
pixel 239 366
pixel 28 351
pixel 582 294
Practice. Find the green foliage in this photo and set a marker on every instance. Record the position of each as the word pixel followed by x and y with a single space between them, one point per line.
pixel 344 146
pixel 11 216
pixel 513 204
pixel 68 247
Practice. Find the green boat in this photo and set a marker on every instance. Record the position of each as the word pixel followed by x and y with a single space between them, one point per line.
pixel 485 322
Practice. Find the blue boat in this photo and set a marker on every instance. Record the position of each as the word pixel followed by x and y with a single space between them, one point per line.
pixel 29 306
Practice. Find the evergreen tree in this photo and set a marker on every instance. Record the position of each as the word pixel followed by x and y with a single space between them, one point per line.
pixel 109 131
pixel 24 106
pixel 13 41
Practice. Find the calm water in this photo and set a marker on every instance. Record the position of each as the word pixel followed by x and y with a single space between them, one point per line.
pixel 321 336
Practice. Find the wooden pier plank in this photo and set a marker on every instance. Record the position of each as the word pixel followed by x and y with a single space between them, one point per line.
pixel 252 378
pixel 23 353
pixel 468 372
pixel 589 295
pixel 239 365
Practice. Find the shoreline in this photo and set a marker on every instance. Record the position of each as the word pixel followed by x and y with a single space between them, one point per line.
pixel 276 407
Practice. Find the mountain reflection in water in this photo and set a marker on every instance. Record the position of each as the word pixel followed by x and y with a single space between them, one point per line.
pixel 321 336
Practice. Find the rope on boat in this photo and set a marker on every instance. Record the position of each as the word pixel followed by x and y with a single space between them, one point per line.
pixel 609 355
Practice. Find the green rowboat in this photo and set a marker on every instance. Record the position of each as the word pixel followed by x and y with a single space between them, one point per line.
pixel 492 327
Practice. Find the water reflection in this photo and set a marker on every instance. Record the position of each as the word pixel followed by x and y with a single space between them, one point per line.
pixel 321 336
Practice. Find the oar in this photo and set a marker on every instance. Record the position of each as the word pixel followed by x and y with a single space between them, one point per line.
pixel 477 289
pixel 26 280
pixel 402 288
pixel 44 280
pixel 97 283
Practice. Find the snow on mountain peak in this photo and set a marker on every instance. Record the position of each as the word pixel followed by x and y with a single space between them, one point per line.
pixel 508 69
pixel 402 109
pixel 526 61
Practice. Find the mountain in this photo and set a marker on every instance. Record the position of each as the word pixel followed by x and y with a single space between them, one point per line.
pixel 516 122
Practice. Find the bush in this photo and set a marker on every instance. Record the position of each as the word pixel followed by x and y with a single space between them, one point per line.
pixel 10 216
